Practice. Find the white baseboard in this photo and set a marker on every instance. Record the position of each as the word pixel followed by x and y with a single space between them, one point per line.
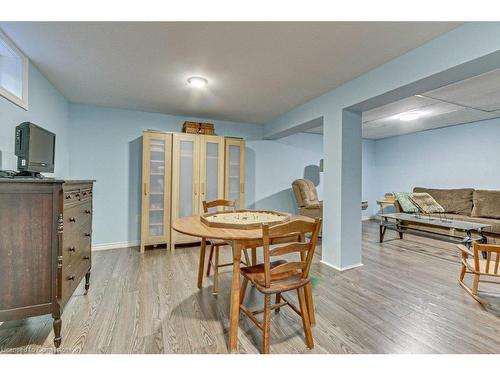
pixel 341 269
pixel 115 245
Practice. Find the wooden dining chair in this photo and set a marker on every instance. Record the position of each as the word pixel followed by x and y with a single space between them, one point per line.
pixel 216 244
pixel 473 263
pixel 280 276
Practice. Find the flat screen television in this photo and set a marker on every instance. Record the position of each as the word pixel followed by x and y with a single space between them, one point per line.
pixel 35 149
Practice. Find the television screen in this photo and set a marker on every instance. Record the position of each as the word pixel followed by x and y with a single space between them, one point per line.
pixel 41 147
pixel 35 149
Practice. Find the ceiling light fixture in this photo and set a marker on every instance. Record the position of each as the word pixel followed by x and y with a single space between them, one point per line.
pixel 197 81
pixel 409 116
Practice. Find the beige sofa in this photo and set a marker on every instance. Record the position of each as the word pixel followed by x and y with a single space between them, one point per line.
pixel 477 206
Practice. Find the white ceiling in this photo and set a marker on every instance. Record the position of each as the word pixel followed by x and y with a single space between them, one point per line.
pixel 256 71
pixel 473 99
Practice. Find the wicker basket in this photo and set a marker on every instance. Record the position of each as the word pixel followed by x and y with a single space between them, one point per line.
pixel 198 128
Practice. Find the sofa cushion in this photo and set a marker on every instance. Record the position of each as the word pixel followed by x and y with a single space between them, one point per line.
pixel 426 203
pixel 406 204
pixel 486 204
pixel 455 201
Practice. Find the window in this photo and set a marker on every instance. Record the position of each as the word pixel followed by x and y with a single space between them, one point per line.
pixel 13 73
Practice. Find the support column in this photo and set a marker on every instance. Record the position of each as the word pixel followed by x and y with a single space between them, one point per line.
pixel 342 190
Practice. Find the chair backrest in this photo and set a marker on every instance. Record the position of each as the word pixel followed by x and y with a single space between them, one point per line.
pixel 305 193
pixel 305 248
pixel 492 263
pixel 218 203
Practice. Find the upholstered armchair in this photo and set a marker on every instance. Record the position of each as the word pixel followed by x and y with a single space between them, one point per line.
pixel 307 198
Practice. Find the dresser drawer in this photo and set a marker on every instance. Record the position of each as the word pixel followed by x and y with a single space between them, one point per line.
pixel 86 193
pixel 72 275
pixel 71 196
pixel 77 242
pixel 77 215
pixel 75 193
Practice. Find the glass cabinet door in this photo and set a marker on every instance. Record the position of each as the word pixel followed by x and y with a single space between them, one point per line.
pixel 235 171
pixel 186 178
pixel 212 168
pixel 156 168
pixel 156 187
pixel 185 183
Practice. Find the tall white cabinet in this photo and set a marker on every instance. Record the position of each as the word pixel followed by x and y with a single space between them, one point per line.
pixel 179 172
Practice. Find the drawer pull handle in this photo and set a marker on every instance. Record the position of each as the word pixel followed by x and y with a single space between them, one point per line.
pixel 87 234
pixel 86 257
pixel 71 277
pixel 72 219
pixel 72 249
pixel 77 195
pixel 68 196
pixel 84 193
pixel 88 212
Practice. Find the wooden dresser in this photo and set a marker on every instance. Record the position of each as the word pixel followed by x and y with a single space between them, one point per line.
pixel 45 243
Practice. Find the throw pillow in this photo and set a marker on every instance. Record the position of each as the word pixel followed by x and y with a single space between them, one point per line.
pixel 406 204
pixel 426 203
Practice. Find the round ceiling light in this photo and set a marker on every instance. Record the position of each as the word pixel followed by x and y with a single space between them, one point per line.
pixel 197 81
pixel 409 116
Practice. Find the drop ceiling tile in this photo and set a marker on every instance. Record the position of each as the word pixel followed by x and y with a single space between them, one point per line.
pixel 480 92
pixel 391 109
pixel 446 117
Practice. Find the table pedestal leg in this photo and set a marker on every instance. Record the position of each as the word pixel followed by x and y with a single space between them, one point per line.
pixel 201 266
pixel 235 299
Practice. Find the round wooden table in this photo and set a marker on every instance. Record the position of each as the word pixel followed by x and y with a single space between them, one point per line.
pixel 240 239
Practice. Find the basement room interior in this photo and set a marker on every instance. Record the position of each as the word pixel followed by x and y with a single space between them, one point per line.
pixel 249 187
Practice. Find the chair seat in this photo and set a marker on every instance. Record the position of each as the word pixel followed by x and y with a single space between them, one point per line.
pixel 218 242
pixel 482 267
pixel 281 282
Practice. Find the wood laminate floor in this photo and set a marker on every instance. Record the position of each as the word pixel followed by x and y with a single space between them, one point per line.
pixel 404 299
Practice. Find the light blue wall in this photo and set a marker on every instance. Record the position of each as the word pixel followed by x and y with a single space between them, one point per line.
pixel 369 177
pixel 279 162
pixel 454 157
pixel 48 109
pixel 105 145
